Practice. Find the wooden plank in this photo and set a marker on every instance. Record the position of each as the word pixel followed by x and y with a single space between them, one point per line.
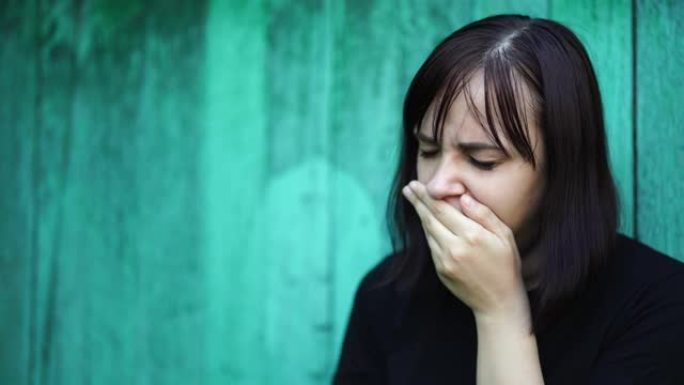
pixel 660 125
pixel 118 230
pixel 18 90
pixel 421 26
pixel 604 28
pixel 296 209
pixel 52 141
pixel 165 223
pixel 234 165
pixel 534 8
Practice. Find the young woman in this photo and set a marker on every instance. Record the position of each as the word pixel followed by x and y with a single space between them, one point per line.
pixel 507 266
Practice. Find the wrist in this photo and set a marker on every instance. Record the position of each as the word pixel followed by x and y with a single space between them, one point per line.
pixel 514 317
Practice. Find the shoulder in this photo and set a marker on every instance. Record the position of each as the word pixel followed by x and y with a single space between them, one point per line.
pixel 637 265
pixel 376 306
pixel 638 275
pixel 386 295
pixel 645 289
pixel 374 289
pixel 646 292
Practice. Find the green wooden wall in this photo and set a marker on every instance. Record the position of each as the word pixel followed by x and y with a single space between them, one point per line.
pixel 191 190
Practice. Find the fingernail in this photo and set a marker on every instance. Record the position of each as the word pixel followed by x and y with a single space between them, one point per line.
pixel 467 200
pixel 406 191
pixel 413 184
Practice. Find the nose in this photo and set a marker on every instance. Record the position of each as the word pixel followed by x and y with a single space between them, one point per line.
pixel 446 182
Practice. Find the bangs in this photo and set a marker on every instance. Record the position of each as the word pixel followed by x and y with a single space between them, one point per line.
pixel 508 95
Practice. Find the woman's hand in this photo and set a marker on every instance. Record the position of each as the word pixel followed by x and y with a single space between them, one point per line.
pixel 474 253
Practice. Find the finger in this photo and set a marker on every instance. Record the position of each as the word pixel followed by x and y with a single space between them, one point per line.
pixel 454 220
pixel 437 252
pixel 484 216
pixel 446 239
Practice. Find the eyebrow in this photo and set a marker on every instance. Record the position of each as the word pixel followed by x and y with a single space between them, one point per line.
pixel 464 146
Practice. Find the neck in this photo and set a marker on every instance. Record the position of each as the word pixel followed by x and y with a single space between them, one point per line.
pixel 531 258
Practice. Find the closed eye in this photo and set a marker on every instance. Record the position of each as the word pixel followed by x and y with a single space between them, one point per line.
pixel 486 166
pixel 482 165
pixel 428 153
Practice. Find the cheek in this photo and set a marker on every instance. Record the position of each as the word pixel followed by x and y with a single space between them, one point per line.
pixel 422 171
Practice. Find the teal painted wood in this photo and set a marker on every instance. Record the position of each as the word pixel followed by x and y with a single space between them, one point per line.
pixel 112 202
pixel 660 125
pixel 534 8
pixel 605 29
pixel 294 220
pixel 422 25
pixel 17 121
pixel 132 236
pixel 235 162
pixel 51 157
pixel 135 226
pixel 322 229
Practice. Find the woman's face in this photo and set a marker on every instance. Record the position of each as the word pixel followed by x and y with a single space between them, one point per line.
pixel 469 161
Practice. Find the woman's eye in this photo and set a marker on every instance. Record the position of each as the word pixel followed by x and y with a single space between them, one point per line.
pixel 482 165
pixel 428 153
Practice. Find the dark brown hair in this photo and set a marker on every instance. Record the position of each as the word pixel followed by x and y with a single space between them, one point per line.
pixel 578 212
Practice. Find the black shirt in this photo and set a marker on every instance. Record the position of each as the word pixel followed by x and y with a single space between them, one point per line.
pixel 626 328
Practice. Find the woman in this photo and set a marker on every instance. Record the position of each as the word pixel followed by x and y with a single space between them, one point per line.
pixel 507 266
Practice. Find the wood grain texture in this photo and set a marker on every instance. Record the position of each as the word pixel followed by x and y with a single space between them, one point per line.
pixel 51 171
pixel 133 232
pixel 110 159
pixel 534 8
pixel 319 216
pixel 235 161
pixel 297 201
pixel 660 125
pixel 17 121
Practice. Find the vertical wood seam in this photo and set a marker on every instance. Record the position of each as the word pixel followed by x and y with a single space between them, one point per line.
pixel 635 152
pixel 331 273
pixel 35 158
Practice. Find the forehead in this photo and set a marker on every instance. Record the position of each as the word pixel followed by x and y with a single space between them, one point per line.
pixel 467 117
pixel 461 118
